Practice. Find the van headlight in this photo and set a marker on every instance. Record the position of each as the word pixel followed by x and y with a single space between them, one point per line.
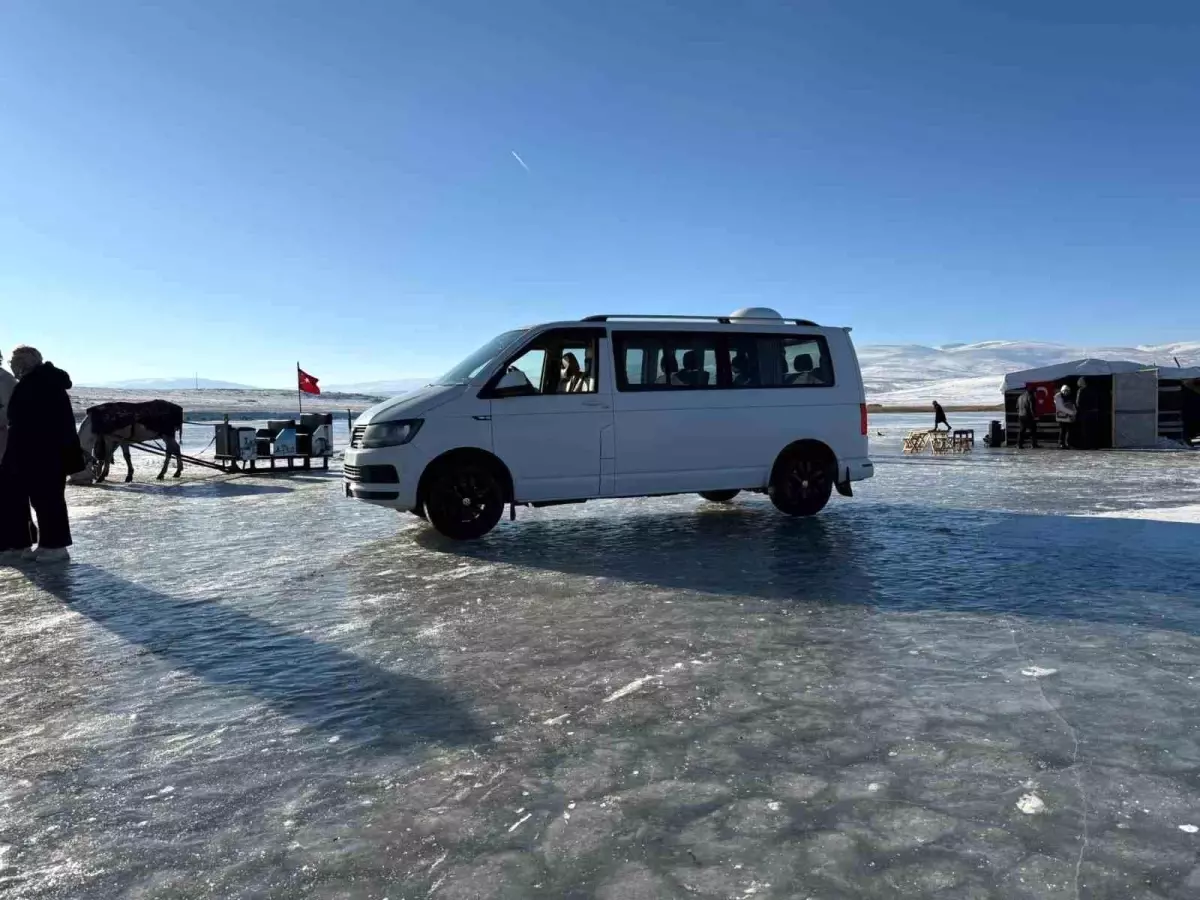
pixel 390 434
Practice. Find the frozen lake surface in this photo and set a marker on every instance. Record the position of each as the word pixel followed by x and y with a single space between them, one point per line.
pixel 980 678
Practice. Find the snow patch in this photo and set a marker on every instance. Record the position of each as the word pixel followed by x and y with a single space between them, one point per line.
pixel 1189 514
pixel 631 687
pixel 1038 672
pixel 1031 804
pixel 1189 829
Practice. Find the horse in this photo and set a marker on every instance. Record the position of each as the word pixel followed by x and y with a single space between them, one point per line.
pixel 109 425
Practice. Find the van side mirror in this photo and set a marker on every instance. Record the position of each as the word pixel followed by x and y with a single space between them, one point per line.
pixel 513 383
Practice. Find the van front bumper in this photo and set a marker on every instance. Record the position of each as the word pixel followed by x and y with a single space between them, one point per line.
pixel 377 476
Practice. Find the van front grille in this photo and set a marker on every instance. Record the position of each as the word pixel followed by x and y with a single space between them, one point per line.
pixel 371 474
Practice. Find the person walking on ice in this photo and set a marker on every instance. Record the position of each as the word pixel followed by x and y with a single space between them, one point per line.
pixel 939 417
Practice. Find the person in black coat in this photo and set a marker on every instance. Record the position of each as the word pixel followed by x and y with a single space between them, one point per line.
pixel 43 449
pixel 1088 406
pixel 939 417
pixel 1027 416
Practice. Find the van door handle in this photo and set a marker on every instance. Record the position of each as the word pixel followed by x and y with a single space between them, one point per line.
pixel 599 403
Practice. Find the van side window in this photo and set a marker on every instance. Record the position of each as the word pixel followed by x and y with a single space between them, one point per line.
pixel 556 362
pixel 807 361
pixel 761 360
pixel 666 361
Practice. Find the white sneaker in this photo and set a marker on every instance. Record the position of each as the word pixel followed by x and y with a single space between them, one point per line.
pixel 53 554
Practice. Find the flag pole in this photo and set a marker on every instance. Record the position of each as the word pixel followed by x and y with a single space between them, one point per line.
pixel 299 393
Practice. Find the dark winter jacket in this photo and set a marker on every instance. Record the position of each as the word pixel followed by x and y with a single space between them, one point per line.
pixel 41 426
pixel 1026 406
pixel 1086 401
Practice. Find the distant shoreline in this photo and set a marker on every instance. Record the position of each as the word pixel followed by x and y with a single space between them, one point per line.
pixel 249 406
pixel 966 407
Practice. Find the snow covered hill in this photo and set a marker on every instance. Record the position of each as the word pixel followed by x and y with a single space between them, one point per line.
pixel 895 375
pixel 969 374
pixel 177 384
pixel 387 388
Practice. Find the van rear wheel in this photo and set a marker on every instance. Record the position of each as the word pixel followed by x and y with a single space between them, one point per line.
pixel 802 481
pixel 719 496
pixel 464 500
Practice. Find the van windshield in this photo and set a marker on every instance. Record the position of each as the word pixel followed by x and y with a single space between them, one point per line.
pixel 471 366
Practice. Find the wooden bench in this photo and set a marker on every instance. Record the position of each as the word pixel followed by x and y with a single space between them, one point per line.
pixel 963 440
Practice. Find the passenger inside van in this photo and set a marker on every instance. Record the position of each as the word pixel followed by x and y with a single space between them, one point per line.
pixel 803 364
pixel 670 370
pixel 692 375
pixel 742 375
pixel 572 379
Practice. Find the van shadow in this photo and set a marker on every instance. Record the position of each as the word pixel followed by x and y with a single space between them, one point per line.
pixel 890 556
pixel 324 686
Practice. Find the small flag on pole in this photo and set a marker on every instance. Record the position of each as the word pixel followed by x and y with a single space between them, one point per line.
pixel 308 384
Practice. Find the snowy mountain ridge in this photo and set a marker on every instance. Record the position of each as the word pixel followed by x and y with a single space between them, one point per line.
pixel 971 374
pixel 894 374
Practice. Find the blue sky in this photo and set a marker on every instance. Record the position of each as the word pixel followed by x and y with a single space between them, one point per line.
pixel 231 186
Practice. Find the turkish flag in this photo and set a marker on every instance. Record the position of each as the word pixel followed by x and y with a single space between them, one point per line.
pixel 308 384
pixel 1043 391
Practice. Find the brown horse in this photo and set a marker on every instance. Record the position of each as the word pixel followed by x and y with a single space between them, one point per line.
pixel 109 425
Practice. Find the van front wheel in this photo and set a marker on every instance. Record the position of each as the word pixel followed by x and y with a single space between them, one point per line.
pixel 802 482
pixel 464 500
pixel 719 496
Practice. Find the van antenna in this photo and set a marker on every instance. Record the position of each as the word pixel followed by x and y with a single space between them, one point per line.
pixel 1177 365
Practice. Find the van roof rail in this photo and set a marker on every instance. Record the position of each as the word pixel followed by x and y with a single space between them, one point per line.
pixel 723 320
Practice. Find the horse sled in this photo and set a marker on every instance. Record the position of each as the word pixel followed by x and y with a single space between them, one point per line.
pixel 288 443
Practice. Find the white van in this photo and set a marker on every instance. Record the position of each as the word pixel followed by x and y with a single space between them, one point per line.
pixel 622 406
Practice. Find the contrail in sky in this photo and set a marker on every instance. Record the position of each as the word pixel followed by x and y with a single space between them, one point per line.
pixel 517 157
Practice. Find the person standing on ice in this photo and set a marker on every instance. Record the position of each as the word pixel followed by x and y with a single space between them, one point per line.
pixel 1064 412
pixel 15 523
pixel 1087 411
pixel 43 449
pixel 939 417
pixel 7 383
pixel 1027 414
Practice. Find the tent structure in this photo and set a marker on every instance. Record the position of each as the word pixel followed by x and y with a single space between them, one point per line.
pixel 1135 405
pixel 1179 404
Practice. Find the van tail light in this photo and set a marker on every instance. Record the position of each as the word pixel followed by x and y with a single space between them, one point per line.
pixel 862 418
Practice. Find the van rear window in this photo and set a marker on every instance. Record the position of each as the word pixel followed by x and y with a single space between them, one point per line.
pixel 719 360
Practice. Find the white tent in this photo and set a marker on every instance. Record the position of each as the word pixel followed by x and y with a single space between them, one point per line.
pixel 1138 416
pixel 1016 381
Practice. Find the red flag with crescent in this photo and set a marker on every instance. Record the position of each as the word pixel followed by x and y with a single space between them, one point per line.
pixel 1043 392
pixel 308 384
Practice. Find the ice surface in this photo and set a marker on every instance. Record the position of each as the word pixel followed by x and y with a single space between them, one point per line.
pixel 836 707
